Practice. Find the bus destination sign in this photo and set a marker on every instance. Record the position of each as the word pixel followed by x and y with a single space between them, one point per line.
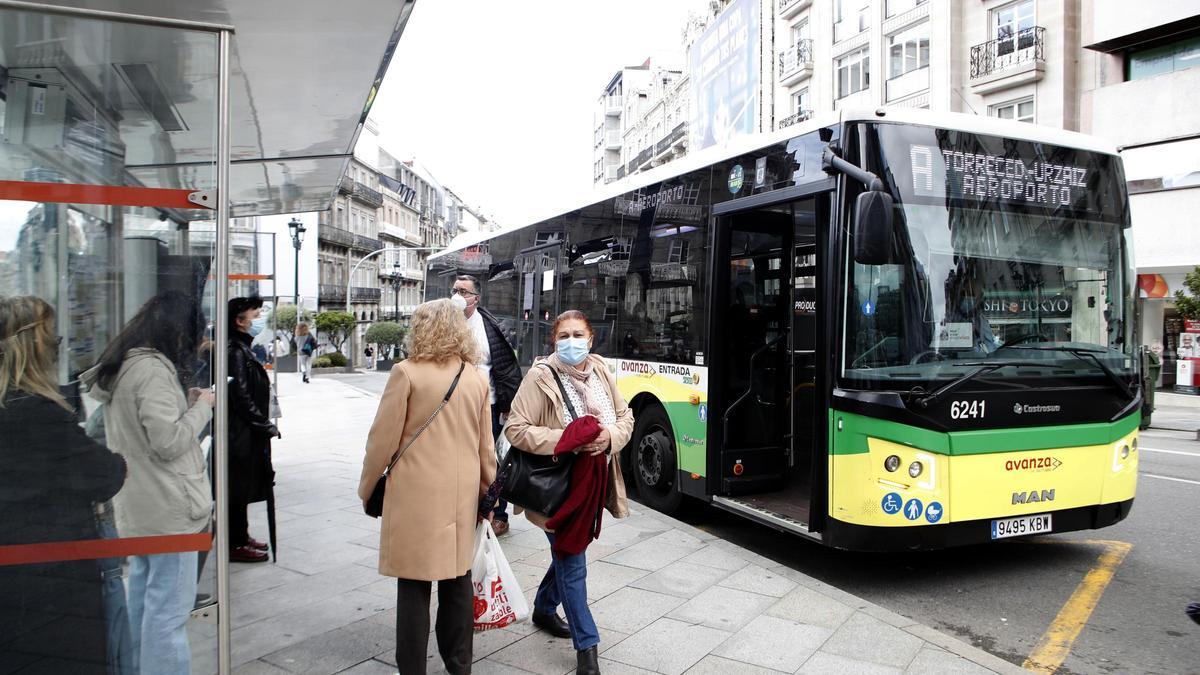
pixel 958 174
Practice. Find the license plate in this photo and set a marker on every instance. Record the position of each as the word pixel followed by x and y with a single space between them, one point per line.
pixel 1019 527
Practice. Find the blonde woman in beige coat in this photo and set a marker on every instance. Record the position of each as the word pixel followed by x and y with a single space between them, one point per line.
pixel 535 424
pixel 432 497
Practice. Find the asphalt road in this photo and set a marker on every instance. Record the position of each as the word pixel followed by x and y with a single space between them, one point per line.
pixel 1003 597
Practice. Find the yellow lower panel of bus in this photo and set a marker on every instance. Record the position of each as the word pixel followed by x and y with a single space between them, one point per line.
pixel 973 487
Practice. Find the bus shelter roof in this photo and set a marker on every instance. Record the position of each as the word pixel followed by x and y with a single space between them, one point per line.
pixel 303 76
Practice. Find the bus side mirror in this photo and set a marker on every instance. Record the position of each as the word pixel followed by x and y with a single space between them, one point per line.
pixel 873 228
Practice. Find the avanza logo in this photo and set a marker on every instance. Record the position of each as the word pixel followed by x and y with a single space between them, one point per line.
pixel 1033 497
pixel 1033 464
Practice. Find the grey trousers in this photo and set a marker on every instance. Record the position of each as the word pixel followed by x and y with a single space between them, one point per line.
pixel 454 627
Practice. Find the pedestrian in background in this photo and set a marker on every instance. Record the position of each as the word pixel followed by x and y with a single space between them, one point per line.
pixel 370 354
pixel 539 416
pixel 497 362
pixel 250 430
pixel 308 346
pixel 155 418
pixel 52 615
pixel 435 413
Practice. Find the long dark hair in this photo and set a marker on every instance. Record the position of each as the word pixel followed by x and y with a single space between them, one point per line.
pixel 170 323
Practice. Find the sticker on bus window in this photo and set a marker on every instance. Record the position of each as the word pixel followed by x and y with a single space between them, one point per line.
pixel 955 334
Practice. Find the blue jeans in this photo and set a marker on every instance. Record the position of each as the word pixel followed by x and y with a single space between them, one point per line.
pixel 116 616
pixel 501 511
pixel 565 584
pixel 162 592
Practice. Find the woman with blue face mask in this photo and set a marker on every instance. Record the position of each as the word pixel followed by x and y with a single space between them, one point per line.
pixel 535 424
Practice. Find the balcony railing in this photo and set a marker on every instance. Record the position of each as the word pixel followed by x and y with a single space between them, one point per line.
pixel 996 55
pixel 795 118
pixel 677 134
pixel 790 8
pixel 613 140
pixel 336 235
pixel 796 57
pixel 336 294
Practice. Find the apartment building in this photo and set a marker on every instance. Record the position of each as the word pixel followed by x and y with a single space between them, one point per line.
pixel 1141 71
pixel 623 100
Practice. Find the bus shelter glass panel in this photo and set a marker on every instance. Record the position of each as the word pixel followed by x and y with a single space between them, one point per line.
pixel 106 352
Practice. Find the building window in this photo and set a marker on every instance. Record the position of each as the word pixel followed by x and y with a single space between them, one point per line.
pixel 1140 63
pixel 1013 27
pixel 800 101
pixel 908 50
pixel 895 7
pixel 1021 111
pixel 853 72
pixel 850 17
pixel 800 31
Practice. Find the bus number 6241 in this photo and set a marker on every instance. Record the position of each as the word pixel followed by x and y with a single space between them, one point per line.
pixel 967 409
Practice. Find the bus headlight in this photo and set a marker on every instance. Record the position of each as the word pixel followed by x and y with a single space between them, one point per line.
pixel 891 463
pixel 915 469
pixel 1124 452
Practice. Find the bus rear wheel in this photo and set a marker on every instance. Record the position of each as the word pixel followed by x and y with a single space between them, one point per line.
pixel 654 463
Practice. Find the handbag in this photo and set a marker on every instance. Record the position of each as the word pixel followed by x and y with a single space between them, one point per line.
pixel 374 504
pixel 538 482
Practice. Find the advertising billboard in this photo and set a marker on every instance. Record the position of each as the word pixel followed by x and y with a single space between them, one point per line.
pixel 725 76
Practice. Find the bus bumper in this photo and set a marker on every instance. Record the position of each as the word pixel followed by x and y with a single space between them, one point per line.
pixel 840 534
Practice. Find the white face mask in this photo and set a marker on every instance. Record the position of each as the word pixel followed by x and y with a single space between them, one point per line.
pixel 459 302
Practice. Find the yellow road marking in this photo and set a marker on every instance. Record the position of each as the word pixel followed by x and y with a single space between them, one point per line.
pixel 1055 644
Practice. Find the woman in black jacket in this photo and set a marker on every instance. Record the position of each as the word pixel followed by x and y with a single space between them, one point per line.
pixel 51 475
pixel 250 429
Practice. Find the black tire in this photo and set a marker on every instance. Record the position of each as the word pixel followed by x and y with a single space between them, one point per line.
pixel 653 461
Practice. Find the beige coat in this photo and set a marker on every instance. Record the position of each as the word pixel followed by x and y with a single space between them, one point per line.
pixel 536 423
pixel 429 513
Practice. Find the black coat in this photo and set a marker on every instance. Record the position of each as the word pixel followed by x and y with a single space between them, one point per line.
pixel 250 428
pixel 506 374
pixel 51 473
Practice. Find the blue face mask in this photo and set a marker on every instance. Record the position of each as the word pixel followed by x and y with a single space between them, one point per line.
pixel 572 350
pixel 257 326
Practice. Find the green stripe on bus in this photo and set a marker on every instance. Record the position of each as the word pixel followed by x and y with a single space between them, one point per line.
pixel 852 439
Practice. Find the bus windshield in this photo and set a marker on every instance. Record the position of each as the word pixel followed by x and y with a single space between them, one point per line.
pixel 1008 254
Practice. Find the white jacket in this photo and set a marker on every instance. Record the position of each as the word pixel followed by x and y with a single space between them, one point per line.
pixel 147 420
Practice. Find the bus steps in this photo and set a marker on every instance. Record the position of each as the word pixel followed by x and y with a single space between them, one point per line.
pixel 765 517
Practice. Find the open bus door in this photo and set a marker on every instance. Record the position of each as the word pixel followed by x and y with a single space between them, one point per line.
pixel 540 268
pixel 766 433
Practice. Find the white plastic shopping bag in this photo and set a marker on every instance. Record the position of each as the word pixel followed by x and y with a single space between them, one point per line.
pixel 498 599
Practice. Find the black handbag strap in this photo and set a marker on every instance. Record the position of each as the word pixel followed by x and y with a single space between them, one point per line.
pixel 562 390
pixel 445 399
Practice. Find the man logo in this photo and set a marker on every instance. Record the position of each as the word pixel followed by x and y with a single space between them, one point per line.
pixel 1017 408
pixel 1033 497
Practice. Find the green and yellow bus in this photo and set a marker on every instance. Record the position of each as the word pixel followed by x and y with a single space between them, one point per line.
pixel 881 330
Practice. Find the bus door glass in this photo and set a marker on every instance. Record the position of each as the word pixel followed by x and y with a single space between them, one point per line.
pixel 804 339
pixel 541 271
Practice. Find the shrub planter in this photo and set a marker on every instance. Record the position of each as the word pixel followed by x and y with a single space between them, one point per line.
pixel 335 370
pixel 287 364
pixel 385 365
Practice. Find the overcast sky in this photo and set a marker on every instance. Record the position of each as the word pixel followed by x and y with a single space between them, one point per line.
pixel 496 98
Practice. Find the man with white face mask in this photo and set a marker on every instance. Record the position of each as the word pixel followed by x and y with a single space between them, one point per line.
pixel 497 361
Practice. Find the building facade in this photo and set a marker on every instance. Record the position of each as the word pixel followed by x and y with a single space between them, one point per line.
pixel 622 103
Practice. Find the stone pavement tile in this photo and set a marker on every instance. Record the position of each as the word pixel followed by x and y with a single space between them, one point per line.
pixel 282 630
pixel 866 638
pixel 758 580
pixel 308 523
pixel 727 609
pixel 631 609
pixel 535 539
pixel 650 555
pixel 528 576
pixel 605 578
pixel 681 579
pixel 717 557
pixel 334 651
pixel 774 643
pixel 715 665
pixel 326 559
pixel 516 553
pixel 963 649
pixel 260 577
pixel 805 605
pixel 491 641
pixel 617 668
pixel 329 537
pixel 299 593
pixel 934 661
pixel 256 668
pixel 490 667
pixel 678 537
pixel 372 667
pixel 546 655
pixel 385 590
pixel 599 551
pixel 823 663
pixel 667 646
pixel 623 533
pixel 314 507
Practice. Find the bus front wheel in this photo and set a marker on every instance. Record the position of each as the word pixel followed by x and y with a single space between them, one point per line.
pixel 654 462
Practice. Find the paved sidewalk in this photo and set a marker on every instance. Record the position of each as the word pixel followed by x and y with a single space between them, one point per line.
pixel 667 597
pixel 1175 412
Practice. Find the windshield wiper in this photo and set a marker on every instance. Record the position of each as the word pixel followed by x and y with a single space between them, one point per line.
pixel 981 368
pixel 1089 356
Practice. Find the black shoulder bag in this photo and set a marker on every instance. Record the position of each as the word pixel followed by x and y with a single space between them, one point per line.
pixel 539 482
pixel 374 505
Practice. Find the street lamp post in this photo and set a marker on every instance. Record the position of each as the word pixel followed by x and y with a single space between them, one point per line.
pixel 350 282
pixel 297 229
pixel 396 287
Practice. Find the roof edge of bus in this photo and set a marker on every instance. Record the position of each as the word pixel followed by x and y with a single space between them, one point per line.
pixel 745 144
pixel 984 124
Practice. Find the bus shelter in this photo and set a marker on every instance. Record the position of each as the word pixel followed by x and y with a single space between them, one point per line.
pixel 131 132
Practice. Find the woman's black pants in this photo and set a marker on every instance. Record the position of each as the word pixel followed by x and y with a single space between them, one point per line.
pixel 455 624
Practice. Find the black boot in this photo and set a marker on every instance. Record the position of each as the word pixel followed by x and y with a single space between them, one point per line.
pixel 588 662
pixel 552 624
